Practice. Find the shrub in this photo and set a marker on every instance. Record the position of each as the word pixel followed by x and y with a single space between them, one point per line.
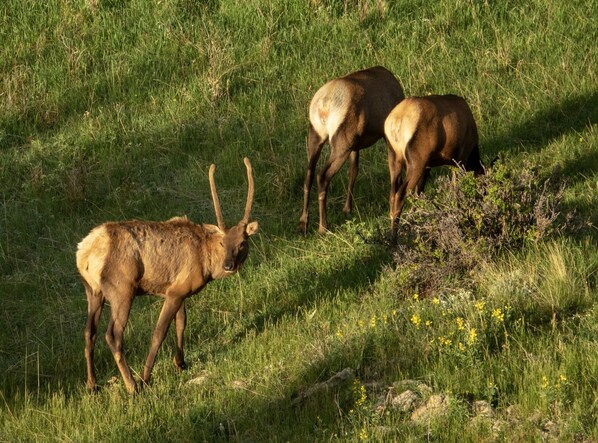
pixel 466 221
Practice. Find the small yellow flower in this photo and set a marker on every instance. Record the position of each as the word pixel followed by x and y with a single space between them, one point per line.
pixel 416 296
pixel 339 334
pixel 436 301
pixel 473 335
pixel 361 324
pixel 563 378
pixel 394 312
pixel 544 382
pixel 498 315
pixel 363 434
pixel 480 306
pixel 460 324
pixel 416 320
pixel 385 319
pixel 461 347
pixel 428 323
pixel 373 322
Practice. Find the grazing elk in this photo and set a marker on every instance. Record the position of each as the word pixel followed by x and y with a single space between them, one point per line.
pixel 173 259
pixel 424 132
pixel 349 113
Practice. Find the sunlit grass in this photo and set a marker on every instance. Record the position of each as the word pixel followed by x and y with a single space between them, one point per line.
pixel 114 110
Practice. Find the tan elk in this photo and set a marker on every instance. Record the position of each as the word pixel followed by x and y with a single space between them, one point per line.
pixel 349 113
pixel 424 132
pixel 173 259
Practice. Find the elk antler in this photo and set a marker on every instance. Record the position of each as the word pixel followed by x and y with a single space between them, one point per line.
pixel 250 190
pixel 217 208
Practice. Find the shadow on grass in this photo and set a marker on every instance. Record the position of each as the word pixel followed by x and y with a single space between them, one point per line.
pixel 305 284
pixel 570 115
pixel 290 416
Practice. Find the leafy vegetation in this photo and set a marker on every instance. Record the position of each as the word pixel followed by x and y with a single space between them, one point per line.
pixel 114 110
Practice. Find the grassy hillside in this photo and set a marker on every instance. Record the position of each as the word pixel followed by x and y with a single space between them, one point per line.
pixel 114 110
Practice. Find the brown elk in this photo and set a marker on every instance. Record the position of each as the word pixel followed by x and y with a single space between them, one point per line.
pixel 173 259
pixel 349 113
pixel 424 132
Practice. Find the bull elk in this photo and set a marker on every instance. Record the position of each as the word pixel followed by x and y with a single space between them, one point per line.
pixel 349 113
pixel 424 132
pixel 173 259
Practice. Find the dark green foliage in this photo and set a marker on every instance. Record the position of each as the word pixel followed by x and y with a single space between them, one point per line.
pixel 466 221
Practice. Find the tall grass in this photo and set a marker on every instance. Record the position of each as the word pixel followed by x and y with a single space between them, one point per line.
pixel 114 110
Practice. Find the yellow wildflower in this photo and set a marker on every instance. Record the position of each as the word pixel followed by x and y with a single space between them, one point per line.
pixel 436 301
pixel 460 324
pixel 473 335
pixel 544 382
pixel 480 306
pixel 373 322
pixel 498 315
pixel 428 323
pixel 416 320
pixel 416 296
pixel 363 434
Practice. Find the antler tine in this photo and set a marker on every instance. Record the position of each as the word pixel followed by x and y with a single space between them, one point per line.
pixel 250 190
pixel 217 208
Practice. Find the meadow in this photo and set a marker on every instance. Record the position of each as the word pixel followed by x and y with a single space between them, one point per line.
pixel 115 110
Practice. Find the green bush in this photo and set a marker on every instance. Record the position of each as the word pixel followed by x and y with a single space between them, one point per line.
pixel 466 221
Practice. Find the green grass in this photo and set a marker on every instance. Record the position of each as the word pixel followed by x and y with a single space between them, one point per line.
pixel 114 110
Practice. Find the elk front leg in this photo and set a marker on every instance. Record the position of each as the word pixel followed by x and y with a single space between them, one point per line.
pixel 169 310
pixel 180 321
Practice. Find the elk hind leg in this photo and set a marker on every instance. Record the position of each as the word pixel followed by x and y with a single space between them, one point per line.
pixel 120 306
pixel 314 149
pixel 95 302
pixel 340 148
pixel 353 169
pixel 395 168
pixel 180 321
pixel 416 169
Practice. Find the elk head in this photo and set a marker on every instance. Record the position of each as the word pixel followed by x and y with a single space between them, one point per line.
pixel 234 239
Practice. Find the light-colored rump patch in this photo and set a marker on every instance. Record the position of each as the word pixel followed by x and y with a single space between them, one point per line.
pixel 401 125
pixel 329 107
pixel 91 255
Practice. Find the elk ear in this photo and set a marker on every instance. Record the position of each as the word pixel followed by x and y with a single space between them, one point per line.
pixel 251 228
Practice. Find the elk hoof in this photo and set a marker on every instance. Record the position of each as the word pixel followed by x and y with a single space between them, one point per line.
pixel 134 388
pixel 92 388
pixel 180 366
pixel 302 228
